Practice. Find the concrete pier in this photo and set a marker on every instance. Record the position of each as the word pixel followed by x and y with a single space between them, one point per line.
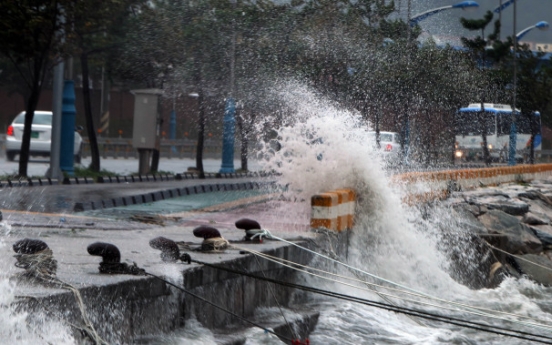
pixel 124 308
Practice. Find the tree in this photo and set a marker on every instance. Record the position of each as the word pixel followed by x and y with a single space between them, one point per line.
pixel 95 30
pixel 30 39
pixel 534 83
pixel 485 51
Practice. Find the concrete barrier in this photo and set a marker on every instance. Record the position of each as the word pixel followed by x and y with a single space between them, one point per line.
pixel 333 210
pixel 425 186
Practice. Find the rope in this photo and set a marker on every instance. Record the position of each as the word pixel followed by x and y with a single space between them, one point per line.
pixel 516 256
pixel 478 311
pixel 418 313
pixel 409 293
pixel 120 268
pixel 214 244
pixel 42 267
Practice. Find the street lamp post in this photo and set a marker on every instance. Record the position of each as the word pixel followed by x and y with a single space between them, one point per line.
pixel 542 25
pixel 412 21
pixel 464 5
pixel 512 144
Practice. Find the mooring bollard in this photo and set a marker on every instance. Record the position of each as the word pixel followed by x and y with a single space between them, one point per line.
pixel 111 260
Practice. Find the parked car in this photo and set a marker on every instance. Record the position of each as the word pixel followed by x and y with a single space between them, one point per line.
pixel 390 145
pixel 41 132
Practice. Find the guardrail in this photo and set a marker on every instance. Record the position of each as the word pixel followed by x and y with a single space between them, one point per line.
pixel 179 148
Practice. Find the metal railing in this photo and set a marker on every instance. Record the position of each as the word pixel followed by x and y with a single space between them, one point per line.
pixel 178 148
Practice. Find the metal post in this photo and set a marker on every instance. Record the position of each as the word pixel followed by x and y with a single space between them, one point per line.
pixel 230 110
pixel 54 172
pixel 513 139
pixel 68 114
pixel 228 137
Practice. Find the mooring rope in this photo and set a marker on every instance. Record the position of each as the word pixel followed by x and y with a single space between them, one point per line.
pixel 42 267
pixel 409 311
pixel 481 312
pixel 516 256
pixel 475 310
pixel 214 244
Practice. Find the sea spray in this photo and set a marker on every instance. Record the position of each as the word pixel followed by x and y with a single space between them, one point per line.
pixel 19 326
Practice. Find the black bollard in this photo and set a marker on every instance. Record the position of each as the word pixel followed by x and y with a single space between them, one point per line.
pixel 109 252
pixel 111 263
pixel 248 224
pixel 169 248
pixel 29 246
pixel 206 232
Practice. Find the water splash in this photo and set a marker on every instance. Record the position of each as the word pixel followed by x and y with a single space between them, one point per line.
pixel 19 326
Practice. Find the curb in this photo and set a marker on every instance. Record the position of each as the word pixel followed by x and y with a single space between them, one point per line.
pixel 124 179
pixel 169 194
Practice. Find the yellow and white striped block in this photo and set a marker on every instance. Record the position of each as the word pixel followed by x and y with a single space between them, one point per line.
pixel 333 210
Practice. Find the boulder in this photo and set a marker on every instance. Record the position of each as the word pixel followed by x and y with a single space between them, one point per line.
pixel 511 206
pixel 467 220
pixel 544 234
pixel 535 219
pixel 542 275
pixel 509 234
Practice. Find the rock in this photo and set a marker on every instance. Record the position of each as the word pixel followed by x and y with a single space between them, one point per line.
pixel 499 272
pixel 535 219
pixel 467 221
pixel 513 207
pixel 539 274
pixel 509 234
pixel 544 234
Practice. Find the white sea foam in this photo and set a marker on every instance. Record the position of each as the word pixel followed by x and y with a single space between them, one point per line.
pixel 319 147
pixel 18 326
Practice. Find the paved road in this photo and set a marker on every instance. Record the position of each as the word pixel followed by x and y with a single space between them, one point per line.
pixel 39 165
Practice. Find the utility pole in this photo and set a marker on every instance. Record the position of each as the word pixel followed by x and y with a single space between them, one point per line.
pixel 513 130
pixel 230 110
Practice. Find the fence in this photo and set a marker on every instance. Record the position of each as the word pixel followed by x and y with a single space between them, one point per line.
pixel 179 148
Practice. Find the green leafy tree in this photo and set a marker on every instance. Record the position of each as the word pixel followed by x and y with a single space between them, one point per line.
pixel 94 31
pixel 487 53
pixel 29 38
pixel 534 85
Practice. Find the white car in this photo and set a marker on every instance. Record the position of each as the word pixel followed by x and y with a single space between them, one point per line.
pixel 390 145
pixel 41 133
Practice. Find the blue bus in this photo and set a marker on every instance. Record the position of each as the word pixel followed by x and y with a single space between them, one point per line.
pixel 496 118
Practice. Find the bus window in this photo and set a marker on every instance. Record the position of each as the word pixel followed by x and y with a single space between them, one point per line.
pixel 504 124
pixel 523 124
pixel 469 123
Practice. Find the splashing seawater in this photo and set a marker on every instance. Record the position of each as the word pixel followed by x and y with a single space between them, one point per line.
pixel 320 147
pixel 23 327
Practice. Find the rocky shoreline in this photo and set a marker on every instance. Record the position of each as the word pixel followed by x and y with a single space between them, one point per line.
pixel 504 230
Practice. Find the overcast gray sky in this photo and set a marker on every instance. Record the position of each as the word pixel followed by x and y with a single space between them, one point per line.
pixel 446 23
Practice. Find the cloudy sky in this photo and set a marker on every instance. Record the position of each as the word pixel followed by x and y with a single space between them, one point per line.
pixel 447 24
